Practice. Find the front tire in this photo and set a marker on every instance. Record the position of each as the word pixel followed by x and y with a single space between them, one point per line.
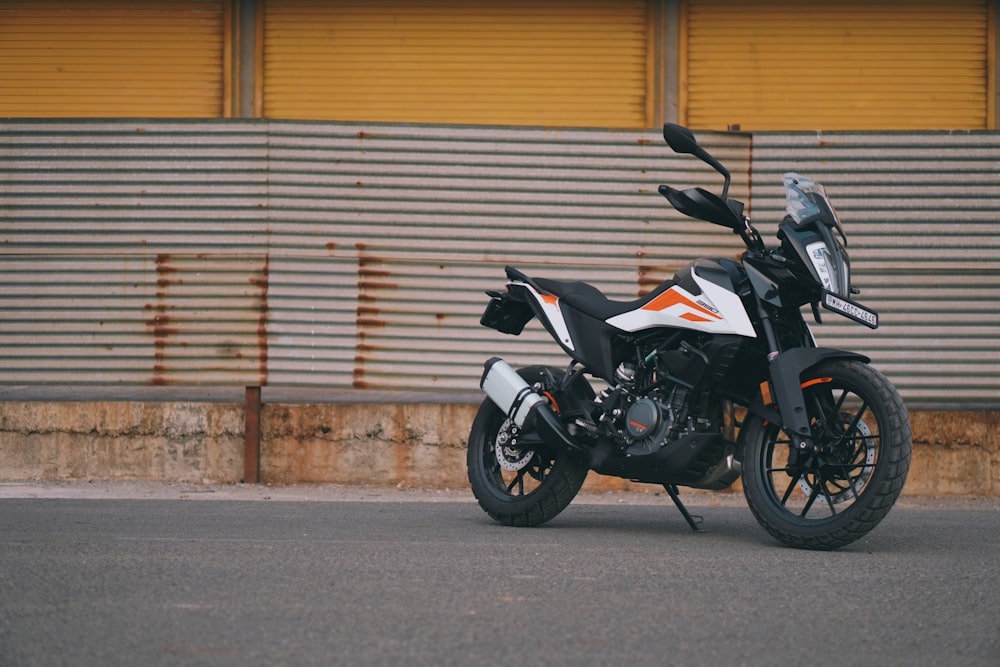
pixel 517 479
pixel 831 496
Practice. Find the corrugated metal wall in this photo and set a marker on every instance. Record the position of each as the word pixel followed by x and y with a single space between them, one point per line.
pixel 519 62
pixel 315 254
pixel 354 256
pixel 111 58
pixel 845 65
pixel 383 238
pixel 922 214
pixel 132 252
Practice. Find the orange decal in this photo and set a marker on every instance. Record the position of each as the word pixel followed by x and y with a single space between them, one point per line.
pixel 671 298
pixel 549 299
pixel 809 383
pixel 691 317
pixel 664 301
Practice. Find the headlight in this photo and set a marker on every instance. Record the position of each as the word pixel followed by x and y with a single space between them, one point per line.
pixel 832 272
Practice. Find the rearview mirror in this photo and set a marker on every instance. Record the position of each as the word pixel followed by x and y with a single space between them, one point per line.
pixel 680 139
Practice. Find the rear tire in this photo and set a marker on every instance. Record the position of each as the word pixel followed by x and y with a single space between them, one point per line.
pixel 517 479
pixel 830 497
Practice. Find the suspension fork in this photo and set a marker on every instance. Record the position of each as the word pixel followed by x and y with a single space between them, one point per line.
pixel 785 368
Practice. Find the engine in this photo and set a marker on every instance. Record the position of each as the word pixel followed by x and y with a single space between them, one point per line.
pixel 641 423
pixel 657 426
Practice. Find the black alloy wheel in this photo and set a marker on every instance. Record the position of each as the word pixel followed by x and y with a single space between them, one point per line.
pixel 830 495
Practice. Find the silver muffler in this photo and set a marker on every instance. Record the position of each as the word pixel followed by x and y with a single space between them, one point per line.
pixel 523 405
pixel 510 392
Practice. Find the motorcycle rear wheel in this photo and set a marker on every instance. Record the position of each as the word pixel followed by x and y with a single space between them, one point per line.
pixel 516 478
pixel 827 498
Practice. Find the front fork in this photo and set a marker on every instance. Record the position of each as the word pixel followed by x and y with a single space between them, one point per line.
pixel 785 368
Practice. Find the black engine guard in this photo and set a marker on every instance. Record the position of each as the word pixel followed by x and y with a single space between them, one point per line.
pixel 683 462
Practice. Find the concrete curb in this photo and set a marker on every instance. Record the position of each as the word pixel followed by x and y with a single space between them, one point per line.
pixel 334 493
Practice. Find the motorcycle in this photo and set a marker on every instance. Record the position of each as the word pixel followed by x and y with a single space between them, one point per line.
pixel 712 377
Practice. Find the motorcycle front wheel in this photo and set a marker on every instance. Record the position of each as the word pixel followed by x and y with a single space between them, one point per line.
pixel 516 478
pixel 836 492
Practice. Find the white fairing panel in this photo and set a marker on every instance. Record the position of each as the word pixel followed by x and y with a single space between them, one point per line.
pixel 550 306
pixel 716 311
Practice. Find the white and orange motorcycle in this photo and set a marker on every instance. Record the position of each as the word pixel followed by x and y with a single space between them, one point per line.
pixel 712 376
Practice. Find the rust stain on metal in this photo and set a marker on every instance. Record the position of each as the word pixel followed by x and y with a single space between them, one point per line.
pixel 164 273
pixel 369 272
pixel 372 279
pixel 262 282
pixel 370 285
pixel 650 277
pixel 160 324
pixel 647 281
pixel 171 326
pixel 370 276
pixel 366 319
pixel 369 313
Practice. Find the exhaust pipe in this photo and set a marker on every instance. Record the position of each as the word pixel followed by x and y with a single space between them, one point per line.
pixel 523 405
pixel 509 391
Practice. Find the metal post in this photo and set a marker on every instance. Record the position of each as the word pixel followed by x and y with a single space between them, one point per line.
pixel 251 437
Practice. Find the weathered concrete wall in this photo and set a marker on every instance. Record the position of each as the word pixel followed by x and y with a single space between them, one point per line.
pixel 191 442
pixel 403 444
pixel 955 454
pixel 413 445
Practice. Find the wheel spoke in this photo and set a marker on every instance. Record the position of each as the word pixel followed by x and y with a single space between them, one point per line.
pixel 854 422
pixel 812 499
pixel 829 498
pixel 540 468
pixel 518 481
pixel 825 417
pixel 839 405
pixel 512 484
pixel 791 487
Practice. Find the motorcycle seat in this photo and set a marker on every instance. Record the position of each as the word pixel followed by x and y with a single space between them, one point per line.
pixel 585 297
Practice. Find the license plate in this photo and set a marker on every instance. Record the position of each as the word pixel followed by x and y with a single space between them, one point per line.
pixel 506 315
pixel 850 309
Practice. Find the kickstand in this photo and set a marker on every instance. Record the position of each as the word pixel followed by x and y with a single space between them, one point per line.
pixel 675 496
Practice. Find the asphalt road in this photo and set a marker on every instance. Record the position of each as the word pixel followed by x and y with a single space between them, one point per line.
pixel 380 582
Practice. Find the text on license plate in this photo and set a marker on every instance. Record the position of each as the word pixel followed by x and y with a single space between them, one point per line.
pixel 855 311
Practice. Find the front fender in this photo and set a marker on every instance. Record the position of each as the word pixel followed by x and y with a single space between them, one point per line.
pixel 786 371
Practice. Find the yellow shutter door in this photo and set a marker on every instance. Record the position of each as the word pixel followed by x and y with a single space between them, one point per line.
pixel 111 58
pixel 846 65
pixel 517 62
